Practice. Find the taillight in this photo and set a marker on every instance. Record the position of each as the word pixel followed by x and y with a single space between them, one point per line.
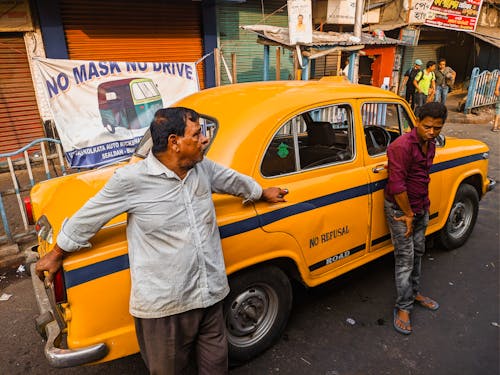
pixel 29 210
pixel 59 287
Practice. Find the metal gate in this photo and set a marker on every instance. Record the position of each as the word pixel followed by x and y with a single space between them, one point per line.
pixel 481 89
pixel 21 170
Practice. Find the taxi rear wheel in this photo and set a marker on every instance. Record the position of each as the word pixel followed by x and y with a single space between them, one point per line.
pixel 256 311
pixel 462 218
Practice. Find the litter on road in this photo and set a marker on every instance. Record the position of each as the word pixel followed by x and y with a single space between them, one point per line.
pixel 5 297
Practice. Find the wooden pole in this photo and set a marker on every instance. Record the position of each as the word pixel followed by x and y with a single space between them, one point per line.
pixel 233 63
pixel 217 66
pixel 278 63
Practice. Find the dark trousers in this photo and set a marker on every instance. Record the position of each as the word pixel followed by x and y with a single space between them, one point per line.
pixel 411 98
pixel 193 342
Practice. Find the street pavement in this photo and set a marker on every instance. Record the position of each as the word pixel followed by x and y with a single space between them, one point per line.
pixel 345 326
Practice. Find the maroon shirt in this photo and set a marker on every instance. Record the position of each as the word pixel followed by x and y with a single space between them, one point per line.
pixel 409 171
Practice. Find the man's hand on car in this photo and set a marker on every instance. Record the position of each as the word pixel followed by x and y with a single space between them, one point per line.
pixel 50 262
pixel 274 194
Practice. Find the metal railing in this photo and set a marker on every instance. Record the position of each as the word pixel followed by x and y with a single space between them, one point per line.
pixel 25 164
pixel 481 90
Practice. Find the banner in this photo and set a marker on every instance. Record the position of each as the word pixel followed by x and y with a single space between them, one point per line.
pixel 102 109
pixel 460 15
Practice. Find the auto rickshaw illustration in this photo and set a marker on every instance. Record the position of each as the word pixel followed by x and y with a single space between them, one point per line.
pixel 128 103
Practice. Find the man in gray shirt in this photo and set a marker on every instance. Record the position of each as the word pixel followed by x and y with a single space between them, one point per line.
pixel 176 263
pixel 445 78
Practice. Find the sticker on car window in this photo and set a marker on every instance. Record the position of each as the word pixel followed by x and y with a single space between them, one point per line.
pixel 283 150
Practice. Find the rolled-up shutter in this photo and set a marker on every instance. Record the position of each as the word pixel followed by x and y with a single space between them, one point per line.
pixel 20 121
pixel 249 53
pixel 424 52
pixel 121 30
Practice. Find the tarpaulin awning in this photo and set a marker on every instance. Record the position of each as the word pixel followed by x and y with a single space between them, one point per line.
pixel 280 35
pixel 488 34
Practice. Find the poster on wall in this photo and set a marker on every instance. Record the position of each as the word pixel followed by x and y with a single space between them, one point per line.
pixel 102 109
pixel 461 15
pixel 300 21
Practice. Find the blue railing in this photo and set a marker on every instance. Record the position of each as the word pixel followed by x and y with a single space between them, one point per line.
pixel 481 90
pixel 21 161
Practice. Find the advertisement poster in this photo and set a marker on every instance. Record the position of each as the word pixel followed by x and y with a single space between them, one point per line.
pixel 300 21
pixel 455 15
pixel 102 109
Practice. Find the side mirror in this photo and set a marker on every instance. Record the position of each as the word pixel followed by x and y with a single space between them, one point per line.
pixel 440 140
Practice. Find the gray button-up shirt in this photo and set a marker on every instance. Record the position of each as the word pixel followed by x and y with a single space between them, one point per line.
pixel 176 261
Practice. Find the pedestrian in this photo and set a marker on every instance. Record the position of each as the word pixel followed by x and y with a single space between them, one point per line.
pixel 445 79
pixel 496 124
pixel 406 208
pixel 408 79
pixel 425 84
pixel 178 277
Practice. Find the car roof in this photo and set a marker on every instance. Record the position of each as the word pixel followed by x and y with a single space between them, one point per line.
pixel 246 111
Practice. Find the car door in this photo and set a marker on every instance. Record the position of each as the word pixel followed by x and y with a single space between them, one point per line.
pixel 382 122
pixel 314 155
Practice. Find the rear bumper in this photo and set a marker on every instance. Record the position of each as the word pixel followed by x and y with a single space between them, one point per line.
pixel 48 326
pixel 491 184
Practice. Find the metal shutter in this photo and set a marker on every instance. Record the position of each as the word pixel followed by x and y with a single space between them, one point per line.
pixel 20 121
pixel 133 31
pixel 424 52
pixel 250 54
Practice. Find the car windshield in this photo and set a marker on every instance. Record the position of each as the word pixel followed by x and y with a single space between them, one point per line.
pixel 209 127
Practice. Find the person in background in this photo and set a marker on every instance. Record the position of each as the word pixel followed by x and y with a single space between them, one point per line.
pixel 496 124
pixel 445 79
pixel 407 205
pixel 178 276
pixel 408 79
pixel 425 84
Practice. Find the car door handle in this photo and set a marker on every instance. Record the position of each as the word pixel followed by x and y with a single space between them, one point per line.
pixel 379 168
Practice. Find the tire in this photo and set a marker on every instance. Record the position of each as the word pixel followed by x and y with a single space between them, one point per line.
pixel 256 311
pixel 462 218
pixel 110 128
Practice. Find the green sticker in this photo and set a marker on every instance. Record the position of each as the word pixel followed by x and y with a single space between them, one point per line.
pixel 283 150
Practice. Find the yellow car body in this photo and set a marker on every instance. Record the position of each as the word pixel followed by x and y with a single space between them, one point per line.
pixel 332 220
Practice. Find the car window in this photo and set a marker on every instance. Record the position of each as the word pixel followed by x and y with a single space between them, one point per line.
pixel 312 139
pixel 382 124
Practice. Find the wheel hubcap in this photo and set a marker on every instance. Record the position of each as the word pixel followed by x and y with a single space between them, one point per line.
pixel 460 219
pixel 251 315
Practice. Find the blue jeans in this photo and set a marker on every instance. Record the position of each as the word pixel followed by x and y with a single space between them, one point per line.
pixel 421 99
pixel 408 252
pixel 441 94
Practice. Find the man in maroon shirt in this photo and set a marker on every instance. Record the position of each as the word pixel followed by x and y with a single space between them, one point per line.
pixel 407 207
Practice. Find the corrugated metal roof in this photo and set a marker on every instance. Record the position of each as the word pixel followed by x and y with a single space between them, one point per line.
pixel 488 34
pixel 327 39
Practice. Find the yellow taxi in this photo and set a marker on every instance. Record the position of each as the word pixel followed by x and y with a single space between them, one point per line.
pixel 325 141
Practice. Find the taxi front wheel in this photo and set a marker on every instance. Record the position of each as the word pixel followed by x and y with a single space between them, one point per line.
pixel 462 218
pixel 256 311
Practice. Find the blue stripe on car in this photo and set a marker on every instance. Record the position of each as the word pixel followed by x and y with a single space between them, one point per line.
pixel 109 266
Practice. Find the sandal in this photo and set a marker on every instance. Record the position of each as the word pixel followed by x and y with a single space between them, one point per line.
pixel 427 302
pixel 405 328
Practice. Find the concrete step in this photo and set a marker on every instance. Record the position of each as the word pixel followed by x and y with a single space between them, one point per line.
pixel 12 261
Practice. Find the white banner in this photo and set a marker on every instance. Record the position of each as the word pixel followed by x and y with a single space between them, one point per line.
pixel 103 108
